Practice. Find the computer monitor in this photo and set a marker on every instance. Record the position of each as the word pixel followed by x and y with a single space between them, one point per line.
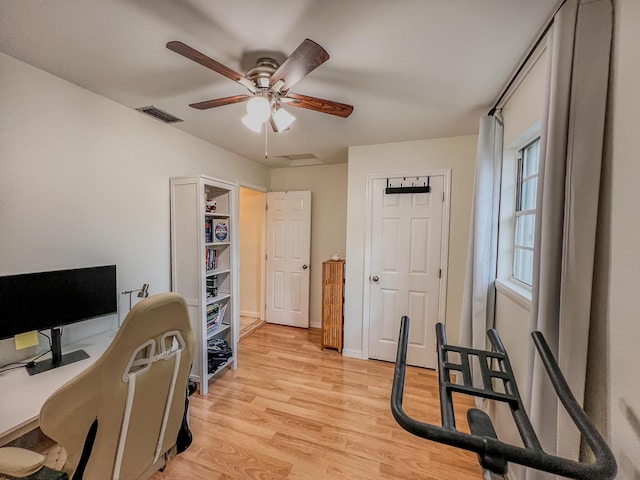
pixel 49 300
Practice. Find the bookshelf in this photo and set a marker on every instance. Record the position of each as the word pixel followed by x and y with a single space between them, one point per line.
pixel 203 267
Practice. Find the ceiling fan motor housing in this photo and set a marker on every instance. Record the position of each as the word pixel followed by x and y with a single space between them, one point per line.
pixel 261 73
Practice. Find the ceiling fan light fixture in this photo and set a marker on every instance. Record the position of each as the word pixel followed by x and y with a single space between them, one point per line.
pixel 259 109
pixel 282 119
pixel 252 123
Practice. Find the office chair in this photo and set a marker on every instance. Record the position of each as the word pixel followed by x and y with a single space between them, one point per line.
pixel 121 417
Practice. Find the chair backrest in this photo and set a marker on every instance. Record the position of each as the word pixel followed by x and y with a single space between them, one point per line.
pixel 134 394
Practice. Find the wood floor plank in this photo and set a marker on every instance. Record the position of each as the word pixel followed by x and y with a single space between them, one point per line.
pixel 293 411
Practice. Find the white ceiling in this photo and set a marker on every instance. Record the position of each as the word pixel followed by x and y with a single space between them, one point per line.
pixel 413 69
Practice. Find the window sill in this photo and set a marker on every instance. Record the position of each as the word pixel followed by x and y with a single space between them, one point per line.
pixel 517 293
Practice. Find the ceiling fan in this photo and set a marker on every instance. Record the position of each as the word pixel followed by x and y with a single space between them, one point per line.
pixel 269 85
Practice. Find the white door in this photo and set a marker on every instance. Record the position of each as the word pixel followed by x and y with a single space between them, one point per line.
pixel 406 238
pixel 288 257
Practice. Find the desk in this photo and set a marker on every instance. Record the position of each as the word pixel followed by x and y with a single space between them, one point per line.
pixel 22 396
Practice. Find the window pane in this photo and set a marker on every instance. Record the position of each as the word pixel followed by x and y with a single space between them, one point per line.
pixel 523 265
pixel 524 223
pixel 531 155
pixel 528 192
pixel 525 226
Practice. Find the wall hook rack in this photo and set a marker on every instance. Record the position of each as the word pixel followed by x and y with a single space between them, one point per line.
pixel 402 185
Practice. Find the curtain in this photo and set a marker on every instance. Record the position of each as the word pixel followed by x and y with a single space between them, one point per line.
pixel 570 162
pixel 478 302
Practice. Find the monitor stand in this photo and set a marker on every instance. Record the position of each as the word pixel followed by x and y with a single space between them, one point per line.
pixel 57 358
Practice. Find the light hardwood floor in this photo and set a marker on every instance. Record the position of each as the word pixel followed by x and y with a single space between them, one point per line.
pixel 293 411
pixel 248 325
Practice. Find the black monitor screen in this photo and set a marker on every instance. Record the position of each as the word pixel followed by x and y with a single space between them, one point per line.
pixel 38 301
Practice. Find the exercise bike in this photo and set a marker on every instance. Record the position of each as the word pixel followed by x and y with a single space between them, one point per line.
pixel 493 454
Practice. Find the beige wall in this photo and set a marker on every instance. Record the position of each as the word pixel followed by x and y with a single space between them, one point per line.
pixel 252 213
pixel 85 181
pixel 328 186
pixel 613 388
pixel 457 154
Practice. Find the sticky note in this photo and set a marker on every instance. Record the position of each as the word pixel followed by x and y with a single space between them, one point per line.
pixel 26 340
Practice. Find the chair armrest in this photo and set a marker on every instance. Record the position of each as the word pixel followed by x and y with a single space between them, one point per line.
pixel 19 462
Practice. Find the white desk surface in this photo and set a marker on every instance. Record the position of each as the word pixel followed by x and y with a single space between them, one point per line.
pixel 22 395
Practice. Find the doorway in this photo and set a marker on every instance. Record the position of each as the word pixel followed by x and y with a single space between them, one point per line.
pixel 288 257
pixel 406 256
pixel 252 205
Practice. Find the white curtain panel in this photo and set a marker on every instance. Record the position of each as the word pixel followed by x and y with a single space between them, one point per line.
pixel 571 157
pixel 478 301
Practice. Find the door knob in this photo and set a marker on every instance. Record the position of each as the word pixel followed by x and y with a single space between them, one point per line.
pixel 375 278
pixel 305 266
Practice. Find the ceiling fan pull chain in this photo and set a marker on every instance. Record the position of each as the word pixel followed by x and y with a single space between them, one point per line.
pixel 266 130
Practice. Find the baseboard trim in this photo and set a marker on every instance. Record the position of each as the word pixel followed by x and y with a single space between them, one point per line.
pixel 315 325
pixel 249 314
pixel 348 352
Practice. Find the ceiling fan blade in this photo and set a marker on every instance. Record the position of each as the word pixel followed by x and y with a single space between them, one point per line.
pixel 306 58
pixel 219 102
pixel 318 104
pixel 202 59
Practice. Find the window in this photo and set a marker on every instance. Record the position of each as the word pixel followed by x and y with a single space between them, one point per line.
pixel 525 212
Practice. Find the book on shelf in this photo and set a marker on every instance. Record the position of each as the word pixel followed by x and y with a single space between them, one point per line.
pixel 212 311
pixel 214 320
pixel 221 229
pixel 208 230
pixel 212 286
pixel 211 258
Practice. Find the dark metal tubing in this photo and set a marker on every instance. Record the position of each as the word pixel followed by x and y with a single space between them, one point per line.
pixel 519 414
pixel 591 435
pixel 604 467
pixel 446 402
pixel 420 189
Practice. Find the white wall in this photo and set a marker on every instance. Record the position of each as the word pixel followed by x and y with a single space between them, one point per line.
pixel 455 153
pixel 252 213
pixel 512 324
pixel 328 185
pixel 85 181
pixel 522 115
pixel 526 103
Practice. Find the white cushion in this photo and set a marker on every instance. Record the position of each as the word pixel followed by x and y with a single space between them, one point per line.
pixel 19 462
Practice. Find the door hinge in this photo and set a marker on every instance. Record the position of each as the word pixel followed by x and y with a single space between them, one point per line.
pixel 266 206
pixel 440 274
pixel 442 197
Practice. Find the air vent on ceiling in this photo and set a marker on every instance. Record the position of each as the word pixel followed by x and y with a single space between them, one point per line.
pixel 159 114
pixel 302 159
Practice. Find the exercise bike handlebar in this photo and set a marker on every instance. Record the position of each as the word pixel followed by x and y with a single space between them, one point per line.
pixel 603 468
